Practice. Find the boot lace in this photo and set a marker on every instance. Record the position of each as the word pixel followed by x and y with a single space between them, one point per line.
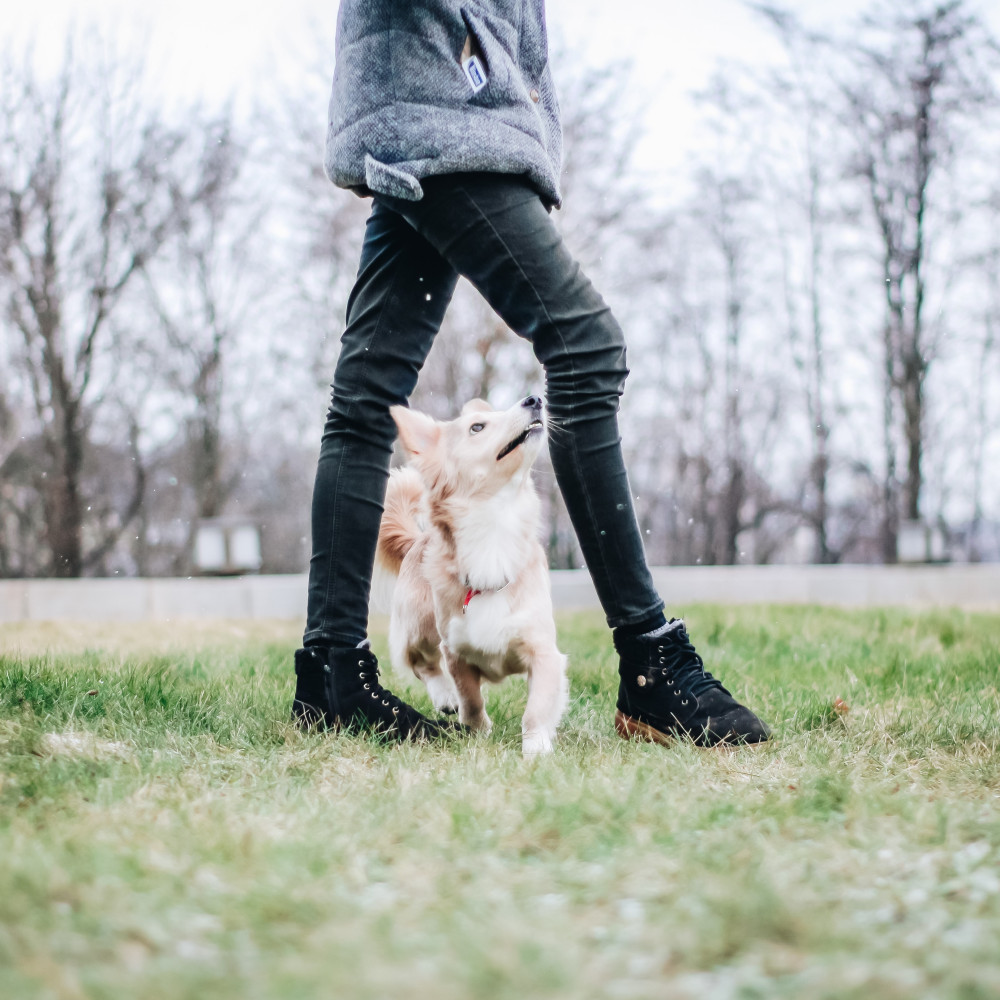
pixel 372 686
pixel 681 662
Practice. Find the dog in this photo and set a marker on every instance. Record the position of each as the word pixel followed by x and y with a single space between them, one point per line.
pixel 471 601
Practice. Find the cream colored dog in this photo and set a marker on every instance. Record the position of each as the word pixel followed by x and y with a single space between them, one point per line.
pixel 472 599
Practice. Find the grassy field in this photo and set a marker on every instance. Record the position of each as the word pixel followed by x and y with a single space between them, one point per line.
pixel 164 832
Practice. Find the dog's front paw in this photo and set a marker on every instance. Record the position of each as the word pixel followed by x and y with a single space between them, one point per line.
pixel 535 744
pixel 443 695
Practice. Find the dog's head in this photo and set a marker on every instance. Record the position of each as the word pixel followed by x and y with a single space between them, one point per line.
pixel 477 453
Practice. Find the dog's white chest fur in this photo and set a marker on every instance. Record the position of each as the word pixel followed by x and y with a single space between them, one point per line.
pixel 486 635
pixel 492 538
pixel 493 542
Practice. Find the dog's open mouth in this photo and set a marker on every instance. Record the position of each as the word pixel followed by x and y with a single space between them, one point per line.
pixel 535 425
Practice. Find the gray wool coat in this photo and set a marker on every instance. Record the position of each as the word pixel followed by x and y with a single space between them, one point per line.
pixel 404 107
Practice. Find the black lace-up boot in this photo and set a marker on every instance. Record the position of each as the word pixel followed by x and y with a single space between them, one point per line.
pixel 340 689
pixel 666 692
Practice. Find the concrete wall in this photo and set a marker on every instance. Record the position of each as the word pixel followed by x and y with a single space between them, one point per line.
pixel 969 587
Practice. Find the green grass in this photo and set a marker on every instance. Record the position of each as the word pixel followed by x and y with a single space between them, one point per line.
pixel 165 833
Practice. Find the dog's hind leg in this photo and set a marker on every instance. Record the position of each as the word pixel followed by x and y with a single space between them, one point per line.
pixel 548 695
pixel 469 684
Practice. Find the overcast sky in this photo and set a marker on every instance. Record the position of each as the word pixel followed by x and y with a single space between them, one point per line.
pixel 212 46
pixel 212 49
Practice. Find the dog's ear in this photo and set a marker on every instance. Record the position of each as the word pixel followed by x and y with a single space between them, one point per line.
pixel 476 404
pixel 418 432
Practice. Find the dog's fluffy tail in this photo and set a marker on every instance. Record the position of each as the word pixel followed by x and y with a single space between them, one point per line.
pixel 401 525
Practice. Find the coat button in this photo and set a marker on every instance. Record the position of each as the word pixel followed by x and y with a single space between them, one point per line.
pixel 533 94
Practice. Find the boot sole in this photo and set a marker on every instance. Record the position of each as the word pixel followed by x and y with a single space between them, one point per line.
pixel 446 728
pixel 632 729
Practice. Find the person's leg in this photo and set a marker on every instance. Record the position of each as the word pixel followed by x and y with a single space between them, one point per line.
pixel 395 310
pixel 494 230
pixel 399 299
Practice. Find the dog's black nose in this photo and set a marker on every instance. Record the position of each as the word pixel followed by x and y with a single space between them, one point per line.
pixel 532 402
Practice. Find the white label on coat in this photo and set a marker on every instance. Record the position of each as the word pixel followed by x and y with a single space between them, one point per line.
pixel 474 73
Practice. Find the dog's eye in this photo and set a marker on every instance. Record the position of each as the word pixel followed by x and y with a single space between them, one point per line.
pixel 476 428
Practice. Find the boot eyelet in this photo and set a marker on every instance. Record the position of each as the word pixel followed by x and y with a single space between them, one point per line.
pixel 395 711
pixel 375 695
pixel 361 663
pixel 684 702
pixel 368 687
pixel 385 703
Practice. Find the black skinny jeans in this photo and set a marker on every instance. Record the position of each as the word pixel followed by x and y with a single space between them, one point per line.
pixel 494 230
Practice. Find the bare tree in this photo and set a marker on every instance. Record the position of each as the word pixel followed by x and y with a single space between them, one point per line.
pixel 85 202
pixel 203 289
pixel 897 94
pixel 917 74
pixel 727 209
pixel 986 419
pixel 799 92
